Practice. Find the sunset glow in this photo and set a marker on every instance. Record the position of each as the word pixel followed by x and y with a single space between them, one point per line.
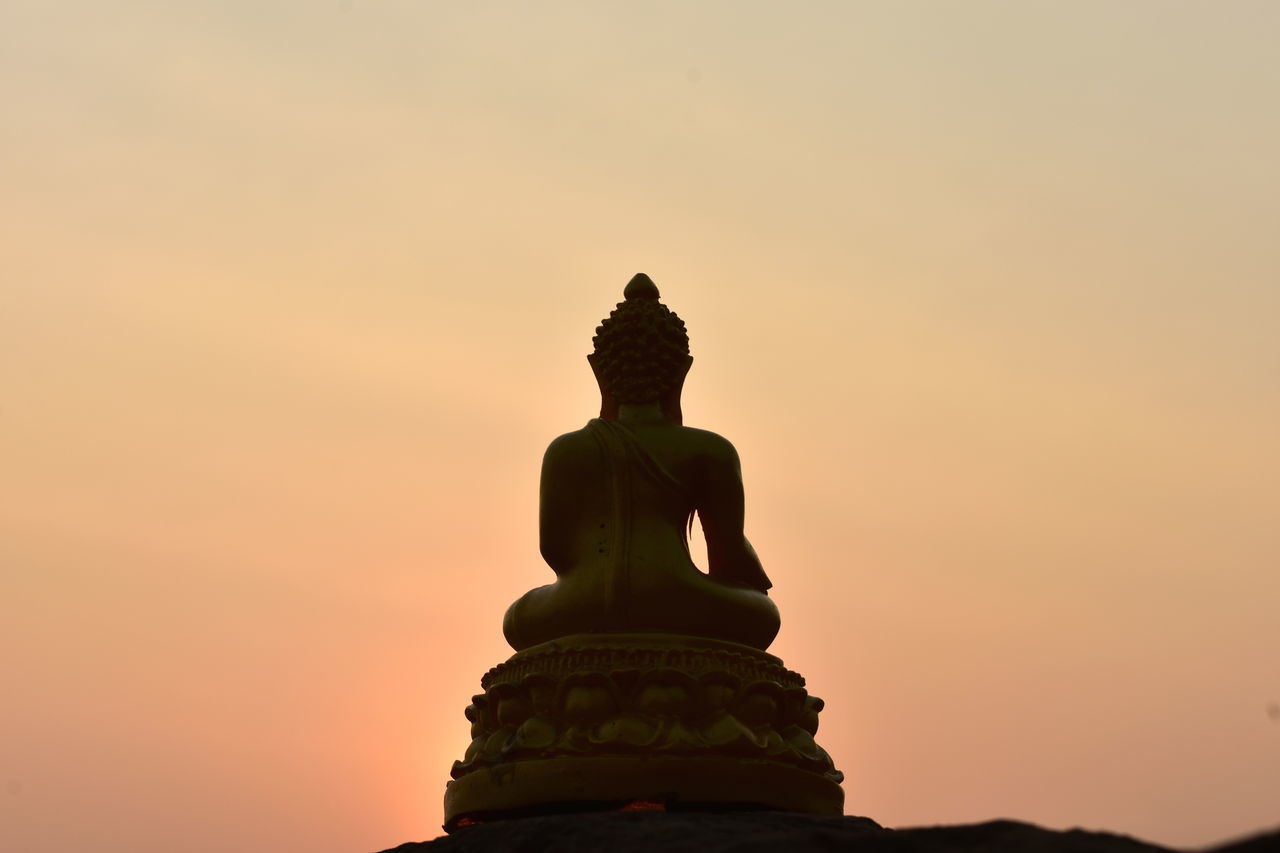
pixel 293 295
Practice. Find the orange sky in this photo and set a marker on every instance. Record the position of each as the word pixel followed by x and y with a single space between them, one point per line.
pixel 294 294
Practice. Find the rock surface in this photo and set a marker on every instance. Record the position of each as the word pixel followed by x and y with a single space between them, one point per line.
pixel 758 832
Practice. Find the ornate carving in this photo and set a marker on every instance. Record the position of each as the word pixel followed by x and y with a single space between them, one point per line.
pixel 641 651
pixel 656 695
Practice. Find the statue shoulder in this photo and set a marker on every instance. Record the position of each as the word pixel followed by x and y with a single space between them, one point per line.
pixel 570 442
pixel 710 444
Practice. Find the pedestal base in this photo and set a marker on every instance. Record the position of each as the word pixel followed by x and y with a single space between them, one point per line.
pixel 600 719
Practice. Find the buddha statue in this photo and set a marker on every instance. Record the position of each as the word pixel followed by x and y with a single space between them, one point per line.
pixel 637 677
pixel 618 499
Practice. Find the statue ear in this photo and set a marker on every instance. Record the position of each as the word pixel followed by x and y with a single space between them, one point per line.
pixel 671 403
pixel 608 405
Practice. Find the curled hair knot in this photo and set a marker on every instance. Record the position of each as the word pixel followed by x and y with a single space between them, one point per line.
pixel 641 347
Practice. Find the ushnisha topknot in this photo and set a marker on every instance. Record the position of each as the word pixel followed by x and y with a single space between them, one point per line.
pixel 640 287
pixel 642 346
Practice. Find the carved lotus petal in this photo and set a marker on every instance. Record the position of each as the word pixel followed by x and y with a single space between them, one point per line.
pixel 542 692
pixel 479 712
pixel 756 708
pixel 514 709
pixel 677 736
pixel 664 699
pixel 630 729
pixel 773 743
pixel 584 703
pixel 716 697
pixel 535 733
pixel 802 742
pixel 728 731
pixel 809 716
pixel 497 741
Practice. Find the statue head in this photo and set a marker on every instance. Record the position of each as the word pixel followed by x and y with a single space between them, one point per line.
pixel 641 349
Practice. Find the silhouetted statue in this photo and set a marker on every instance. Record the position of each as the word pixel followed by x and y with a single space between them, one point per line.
pixel 637 677
pixel 619 496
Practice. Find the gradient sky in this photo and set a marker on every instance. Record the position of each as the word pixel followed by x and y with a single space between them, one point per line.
pixel 294 294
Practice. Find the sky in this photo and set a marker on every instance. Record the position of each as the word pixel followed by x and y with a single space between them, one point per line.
pixel 294 294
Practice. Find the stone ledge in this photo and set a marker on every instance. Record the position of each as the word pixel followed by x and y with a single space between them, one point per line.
pixel 561 784
pixel 764 832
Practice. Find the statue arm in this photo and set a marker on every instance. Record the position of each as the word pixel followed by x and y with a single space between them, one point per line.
pixel 555 509
pixel 730 557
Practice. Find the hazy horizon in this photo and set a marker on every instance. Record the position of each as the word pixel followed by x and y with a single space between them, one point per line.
pixel 294 295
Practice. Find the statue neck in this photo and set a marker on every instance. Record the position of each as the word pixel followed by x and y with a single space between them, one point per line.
pixel 641 413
